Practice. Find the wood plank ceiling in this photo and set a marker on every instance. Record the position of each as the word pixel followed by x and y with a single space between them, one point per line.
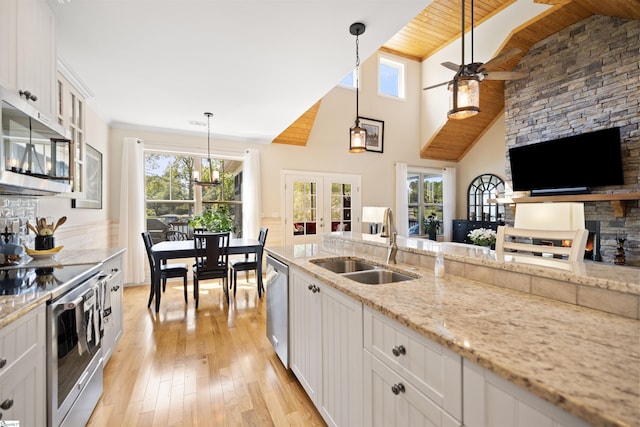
pixel 437 26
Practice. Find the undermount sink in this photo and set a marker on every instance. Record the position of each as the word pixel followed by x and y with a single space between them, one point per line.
pixel 344 265
pixel 362 271
pixel 377 277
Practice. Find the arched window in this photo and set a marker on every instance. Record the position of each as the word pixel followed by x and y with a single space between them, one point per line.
pixel 482 188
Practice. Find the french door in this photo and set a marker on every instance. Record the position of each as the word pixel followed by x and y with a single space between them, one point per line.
pixel 320 203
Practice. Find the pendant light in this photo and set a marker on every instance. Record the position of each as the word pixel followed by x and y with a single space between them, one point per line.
pixel 214 175
pixel 357 134
pixel 464 90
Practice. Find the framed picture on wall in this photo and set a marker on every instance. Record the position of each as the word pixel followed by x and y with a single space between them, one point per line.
pixel 93 183
pixel 375 134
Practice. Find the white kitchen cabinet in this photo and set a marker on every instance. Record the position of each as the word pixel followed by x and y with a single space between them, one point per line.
pixel 306 337
pixel 341 358
pixel 491 401
pixel 391 400
pixel 326 348
pixel 431 369
pixel 113 326
pixel 28 52
pixel 23 369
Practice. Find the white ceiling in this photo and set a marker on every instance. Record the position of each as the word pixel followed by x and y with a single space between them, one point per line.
pixel 257 65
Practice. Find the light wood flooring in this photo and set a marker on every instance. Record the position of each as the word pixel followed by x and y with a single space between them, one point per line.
pixel 210 367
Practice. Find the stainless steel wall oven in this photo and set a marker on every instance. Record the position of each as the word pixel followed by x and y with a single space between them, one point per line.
pixel 74 354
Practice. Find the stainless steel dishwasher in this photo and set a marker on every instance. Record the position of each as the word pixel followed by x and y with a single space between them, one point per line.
pixel 277 282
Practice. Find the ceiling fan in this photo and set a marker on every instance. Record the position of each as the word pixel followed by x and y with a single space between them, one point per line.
pixel 477 71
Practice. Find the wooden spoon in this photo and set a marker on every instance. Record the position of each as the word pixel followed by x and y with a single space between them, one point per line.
pixel 32 228
pixel 61 221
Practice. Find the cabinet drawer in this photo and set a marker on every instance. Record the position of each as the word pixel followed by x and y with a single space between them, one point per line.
pixel 21 336
pixel 434 370
pixel 113 266
pixel 393 401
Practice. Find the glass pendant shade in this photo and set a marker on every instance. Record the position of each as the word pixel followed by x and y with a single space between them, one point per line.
pixel 357 138
pixel 464 99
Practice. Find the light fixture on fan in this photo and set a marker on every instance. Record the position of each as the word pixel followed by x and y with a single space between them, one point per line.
pixel 464 99
pixel 464 89
pixel 357 134
pixel 214 175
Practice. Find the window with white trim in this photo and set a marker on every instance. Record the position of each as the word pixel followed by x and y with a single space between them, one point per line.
pixel 171 195
pixel 391 78
pixel 425 197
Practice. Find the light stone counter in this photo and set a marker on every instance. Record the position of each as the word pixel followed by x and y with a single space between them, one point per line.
pixel 582 360
pixel 12 307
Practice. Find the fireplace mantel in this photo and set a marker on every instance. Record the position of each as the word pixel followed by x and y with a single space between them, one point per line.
pixel 618 200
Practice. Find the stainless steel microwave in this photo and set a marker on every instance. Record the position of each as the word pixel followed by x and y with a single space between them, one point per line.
pixel 35 156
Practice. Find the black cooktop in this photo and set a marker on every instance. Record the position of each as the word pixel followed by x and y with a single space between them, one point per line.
pixel 23 280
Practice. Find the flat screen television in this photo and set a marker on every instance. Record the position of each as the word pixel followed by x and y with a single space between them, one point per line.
pixel 573 164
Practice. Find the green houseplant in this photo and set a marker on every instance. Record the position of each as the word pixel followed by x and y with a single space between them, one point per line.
pixel 432 225
pixel 216 220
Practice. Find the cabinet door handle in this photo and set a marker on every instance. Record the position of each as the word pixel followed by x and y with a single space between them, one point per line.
pixel 317 289
pixel 398 388
pixel 310 288
pixel 3 362
pixel 398 350
pixel 115 288
pixel 7 404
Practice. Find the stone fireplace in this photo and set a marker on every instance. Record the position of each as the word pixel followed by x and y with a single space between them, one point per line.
pixel 582 79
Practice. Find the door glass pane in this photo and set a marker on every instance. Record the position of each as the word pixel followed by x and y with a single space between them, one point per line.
pixel 340 207
pixel 304 208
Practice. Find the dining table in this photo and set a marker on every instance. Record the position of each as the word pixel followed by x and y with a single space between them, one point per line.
pixel 175 249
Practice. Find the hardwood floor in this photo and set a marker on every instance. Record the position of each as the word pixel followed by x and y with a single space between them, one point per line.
pixel 210 367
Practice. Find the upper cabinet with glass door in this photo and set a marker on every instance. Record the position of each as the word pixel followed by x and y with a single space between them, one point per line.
pixel 71 116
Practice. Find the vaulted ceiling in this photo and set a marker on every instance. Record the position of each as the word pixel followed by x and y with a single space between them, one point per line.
pixel 438 25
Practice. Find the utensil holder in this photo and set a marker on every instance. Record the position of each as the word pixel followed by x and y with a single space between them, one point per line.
pixel 44 243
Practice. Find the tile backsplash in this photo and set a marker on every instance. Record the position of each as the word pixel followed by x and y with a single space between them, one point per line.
pixel 15 211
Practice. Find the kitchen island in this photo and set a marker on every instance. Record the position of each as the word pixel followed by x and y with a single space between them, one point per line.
pixel 583 360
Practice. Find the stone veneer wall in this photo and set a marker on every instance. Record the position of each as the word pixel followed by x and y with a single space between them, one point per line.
pixel 582 79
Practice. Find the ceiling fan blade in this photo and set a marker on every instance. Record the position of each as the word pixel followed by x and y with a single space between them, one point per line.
pixel 451 66
pixel 503 57
pixel 434 86
pixel 503 75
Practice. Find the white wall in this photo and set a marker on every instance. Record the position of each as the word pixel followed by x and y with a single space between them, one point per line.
pixel 486 156
pixel 327 148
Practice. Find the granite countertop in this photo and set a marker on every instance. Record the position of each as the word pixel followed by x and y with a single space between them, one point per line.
pixel 582 360
pixel 14 306
pixel 598 274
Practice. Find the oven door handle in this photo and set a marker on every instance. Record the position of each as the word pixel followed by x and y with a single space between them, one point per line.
pixel 71 305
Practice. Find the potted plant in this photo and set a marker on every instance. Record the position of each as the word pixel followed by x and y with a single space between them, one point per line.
pixel 432 226
pixel 218 220
pixel 483 237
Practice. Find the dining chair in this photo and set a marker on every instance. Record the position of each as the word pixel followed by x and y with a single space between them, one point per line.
pixel 212 260
pixel 167 271
pixel 248 264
